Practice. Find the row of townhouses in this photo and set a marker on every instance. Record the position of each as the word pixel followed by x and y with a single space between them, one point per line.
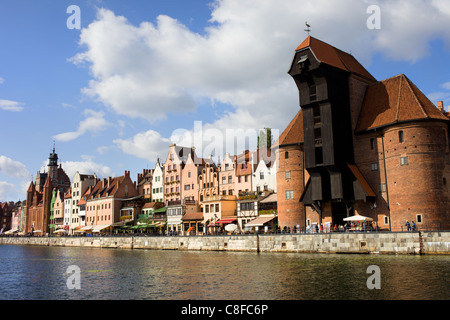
pixel 184 195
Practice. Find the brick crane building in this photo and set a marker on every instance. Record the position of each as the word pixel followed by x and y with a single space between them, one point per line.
pixel 360 146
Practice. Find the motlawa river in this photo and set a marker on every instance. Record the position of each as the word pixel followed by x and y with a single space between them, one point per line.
pixel 63 273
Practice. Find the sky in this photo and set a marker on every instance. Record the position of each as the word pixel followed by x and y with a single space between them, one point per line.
pixel 111 84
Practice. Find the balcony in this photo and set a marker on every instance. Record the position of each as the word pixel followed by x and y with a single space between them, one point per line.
pixel 219 197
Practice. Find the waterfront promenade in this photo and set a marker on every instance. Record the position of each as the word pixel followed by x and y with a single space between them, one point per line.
pixel 420 242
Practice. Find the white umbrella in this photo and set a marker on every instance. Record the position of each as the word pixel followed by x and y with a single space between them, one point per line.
pixel 231 227
pixel 358 218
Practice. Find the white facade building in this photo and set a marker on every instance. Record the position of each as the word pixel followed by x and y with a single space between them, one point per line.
pixel 158 183
pixel 80 183
pixel 265 178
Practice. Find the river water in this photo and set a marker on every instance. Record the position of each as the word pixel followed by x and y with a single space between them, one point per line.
pixel 35 273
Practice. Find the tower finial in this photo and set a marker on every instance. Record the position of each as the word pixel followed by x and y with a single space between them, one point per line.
pixel 308 27
pixel 53 145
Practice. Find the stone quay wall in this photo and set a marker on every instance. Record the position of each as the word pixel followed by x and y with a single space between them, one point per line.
pixel 381 243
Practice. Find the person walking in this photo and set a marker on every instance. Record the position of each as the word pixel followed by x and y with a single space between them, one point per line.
pixel 413 226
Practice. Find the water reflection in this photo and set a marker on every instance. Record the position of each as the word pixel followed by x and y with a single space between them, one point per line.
pixel 40 273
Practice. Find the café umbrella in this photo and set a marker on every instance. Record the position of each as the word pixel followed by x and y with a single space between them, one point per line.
pixel 358 218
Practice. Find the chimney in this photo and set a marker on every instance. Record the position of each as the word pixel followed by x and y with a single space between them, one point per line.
pixel 109 181
pixel 441 106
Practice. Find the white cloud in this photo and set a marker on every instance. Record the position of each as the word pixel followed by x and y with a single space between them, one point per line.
pixel 93 122
pixel 12 168
pixel 241 59
pixel 446 85
pixel 7 191
pixel 87 167
pixel 2 80
pixel 145 145
pixel 8 105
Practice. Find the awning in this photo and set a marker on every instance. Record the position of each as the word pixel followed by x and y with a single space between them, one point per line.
pixel 271 198
pixel 160 210
pixel 226 221
pixel 86 228
pixel 193 216
pixel 100 227
pixel 11 231
pixel 259 222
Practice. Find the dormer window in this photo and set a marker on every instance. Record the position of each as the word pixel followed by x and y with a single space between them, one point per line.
pixel 303 62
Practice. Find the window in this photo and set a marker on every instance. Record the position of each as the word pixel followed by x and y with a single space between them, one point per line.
pixel 187 187
pixel 217 207
pixel 261 175
pixel 372 143
pixel 419 218
pixel 382 187
pixel 230 192
pixel 287 175
pixel 374 166
pixel 401 137
pixel 319 155
pixel 189 174
pixel 247 206
pixel 386 220
pixel 289 194
pixel 230 179
pixel 227 166
pixel 224 180
pixel 403 161
pixel 286 155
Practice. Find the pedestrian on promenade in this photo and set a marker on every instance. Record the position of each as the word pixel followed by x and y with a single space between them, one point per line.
pixel 321 228
pixel 413 226
pixel 408 226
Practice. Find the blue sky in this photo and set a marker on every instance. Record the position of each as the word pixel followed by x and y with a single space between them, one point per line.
pixel 138 74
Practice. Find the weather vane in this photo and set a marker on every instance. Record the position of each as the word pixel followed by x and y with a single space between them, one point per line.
pixel 307 27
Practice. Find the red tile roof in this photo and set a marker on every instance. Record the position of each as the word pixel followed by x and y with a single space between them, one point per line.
pixel 332 56
pixel 293 134
pixel 395 100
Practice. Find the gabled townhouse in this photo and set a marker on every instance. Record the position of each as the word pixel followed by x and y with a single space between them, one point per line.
pixel 79 185
pixel 16 218
pixel 58 210
pixel 190 177
pixel 227 175
pixel 144 183
pixel 175 161
pixel 67 209
pixel 108 202
pixel 5 216
pixel 264 176
pixel 208 180
pixel 158 183
pixel 243 172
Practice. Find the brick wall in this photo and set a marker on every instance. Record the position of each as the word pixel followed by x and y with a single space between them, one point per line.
pixel 290 211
